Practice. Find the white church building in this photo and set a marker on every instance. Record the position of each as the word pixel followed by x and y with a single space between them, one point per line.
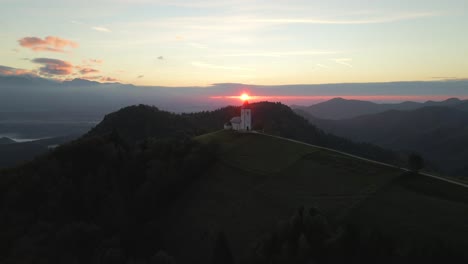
pixel 242 122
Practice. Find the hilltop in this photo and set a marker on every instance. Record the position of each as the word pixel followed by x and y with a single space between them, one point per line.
pixel 136 123
pixel 5 140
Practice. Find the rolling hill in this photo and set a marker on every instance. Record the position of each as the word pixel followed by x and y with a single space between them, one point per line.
pixel 136 123
pixel 5 140
pixel 257 177
pixel 13 154
pixel 259 180
pixel 118 196
pixel 440 134
pixel 339 108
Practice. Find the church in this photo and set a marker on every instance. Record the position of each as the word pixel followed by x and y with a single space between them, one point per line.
pixel 242 122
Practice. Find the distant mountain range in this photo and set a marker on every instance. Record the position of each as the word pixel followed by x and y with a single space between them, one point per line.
pixel 5 140
pixel 437 130
pixel 35 94
pixel 339 108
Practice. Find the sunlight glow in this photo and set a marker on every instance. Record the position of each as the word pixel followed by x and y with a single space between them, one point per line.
pixel 244 97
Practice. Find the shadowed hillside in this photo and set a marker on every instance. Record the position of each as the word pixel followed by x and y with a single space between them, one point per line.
pixel 5 140
pixel 13 154
pixel 440 134
pixel 106 199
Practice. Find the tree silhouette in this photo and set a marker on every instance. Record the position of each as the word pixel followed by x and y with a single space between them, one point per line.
pixel 222 253
pixel 415 162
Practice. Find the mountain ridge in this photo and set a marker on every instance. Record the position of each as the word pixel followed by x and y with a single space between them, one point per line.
pixel 340 108
pixel 439 133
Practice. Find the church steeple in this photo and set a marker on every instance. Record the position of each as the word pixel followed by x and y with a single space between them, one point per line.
pixel 246 117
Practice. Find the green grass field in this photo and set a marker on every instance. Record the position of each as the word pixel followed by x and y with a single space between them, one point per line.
pixel 420 207
pixel 259 181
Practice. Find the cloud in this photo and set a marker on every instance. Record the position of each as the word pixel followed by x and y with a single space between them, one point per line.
pixel 280 53
pixel 108 79
pixel 50 43
pixel 140 76
pixel 375 20
pixel 9 71
pixel 160 58
pixel 101 29
pixel 99 78
pixel 244 23
pixel 322 66
pixel 53 66
pixel 96 61
pixel 344 61
pixel 85 71
pixel 444 78
pixel 92 61
pixel 92 78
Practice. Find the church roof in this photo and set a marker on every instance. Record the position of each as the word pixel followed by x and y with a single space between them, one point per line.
pixel 236 120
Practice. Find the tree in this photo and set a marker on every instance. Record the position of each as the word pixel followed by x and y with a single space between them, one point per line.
pixel 222 253
pixel 415 162
pixel 162 258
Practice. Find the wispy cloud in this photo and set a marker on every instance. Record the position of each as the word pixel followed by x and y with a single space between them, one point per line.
pixel 109 79
pixel 85 71
pixel 219 67
pixel 372 20
pixel 9 71
pixel 53 66
pixel 244 23
pixel 160 58
pixel 279 53
pixel 95 61
pixel 50 43
pixel 101 29
pixel 99 78
pixel 344 61
pixel 323 66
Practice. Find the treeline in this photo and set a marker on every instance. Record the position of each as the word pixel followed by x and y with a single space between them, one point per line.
pixel 309 237
pixel 96 200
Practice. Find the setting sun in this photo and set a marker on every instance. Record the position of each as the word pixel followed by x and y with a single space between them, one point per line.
pixel 244 97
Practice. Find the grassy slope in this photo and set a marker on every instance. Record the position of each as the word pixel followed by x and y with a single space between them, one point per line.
pixel 257 182
pixel 415 206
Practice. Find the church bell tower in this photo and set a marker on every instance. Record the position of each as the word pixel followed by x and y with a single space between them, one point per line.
pixel 246 117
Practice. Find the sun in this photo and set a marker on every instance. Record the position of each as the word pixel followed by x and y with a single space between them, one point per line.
pixel 244 97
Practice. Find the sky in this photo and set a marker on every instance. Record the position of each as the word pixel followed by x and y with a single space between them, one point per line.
pixel 269 42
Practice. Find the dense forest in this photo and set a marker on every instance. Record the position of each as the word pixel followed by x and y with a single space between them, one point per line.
pixel 95 200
